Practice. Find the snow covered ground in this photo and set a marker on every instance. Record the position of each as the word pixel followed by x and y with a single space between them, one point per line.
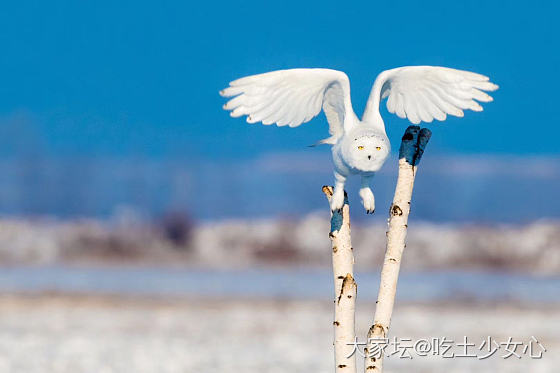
pixel 101 334
pixel 252 296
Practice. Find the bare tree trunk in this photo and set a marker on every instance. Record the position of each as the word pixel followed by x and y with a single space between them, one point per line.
pixel 345 288
pixel 412 147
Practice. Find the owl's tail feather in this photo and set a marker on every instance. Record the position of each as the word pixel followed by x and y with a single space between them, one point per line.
pixel 330 140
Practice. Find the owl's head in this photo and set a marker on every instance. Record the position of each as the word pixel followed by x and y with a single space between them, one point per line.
pixel 367 151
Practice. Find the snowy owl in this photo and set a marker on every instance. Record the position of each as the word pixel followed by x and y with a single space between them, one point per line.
pixel 359 147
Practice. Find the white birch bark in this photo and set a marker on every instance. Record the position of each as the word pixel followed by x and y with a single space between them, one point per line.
pixel 412 147
pixel 345 288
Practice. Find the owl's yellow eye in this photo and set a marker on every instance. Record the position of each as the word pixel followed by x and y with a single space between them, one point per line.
pixel 378 147
pixel 360 147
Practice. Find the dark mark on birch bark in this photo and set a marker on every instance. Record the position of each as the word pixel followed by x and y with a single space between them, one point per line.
pixel 348 279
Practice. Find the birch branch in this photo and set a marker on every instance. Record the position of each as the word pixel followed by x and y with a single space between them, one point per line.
pixel 412 147
pixel 345 287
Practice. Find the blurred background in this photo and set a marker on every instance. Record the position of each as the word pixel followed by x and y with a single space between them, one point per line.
pixel 143 229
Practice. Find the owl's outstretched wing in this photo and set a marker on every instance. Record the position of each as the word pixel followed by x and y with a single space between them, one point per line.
pixel 422 93
pixel 292 97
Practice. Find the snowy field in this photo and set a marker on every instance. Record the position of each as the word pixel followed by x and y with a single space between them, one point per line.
pixel 236 296
pixel 102 334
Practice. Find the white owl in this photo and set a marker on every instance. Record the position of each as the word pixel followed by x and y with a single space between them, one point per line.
pixel 360 147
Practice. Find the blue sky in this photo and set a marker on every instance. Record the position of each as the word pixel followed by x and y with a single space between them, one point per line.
pixel 138 78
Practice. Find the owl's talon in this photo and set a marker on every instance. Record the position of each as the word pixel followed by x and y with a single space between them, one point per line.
pixel 368 200
pixel 337 200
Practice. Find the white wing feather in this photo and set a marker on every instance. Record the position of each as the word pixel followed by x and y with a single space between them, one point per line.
pixel 292 97
pixel 422 93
